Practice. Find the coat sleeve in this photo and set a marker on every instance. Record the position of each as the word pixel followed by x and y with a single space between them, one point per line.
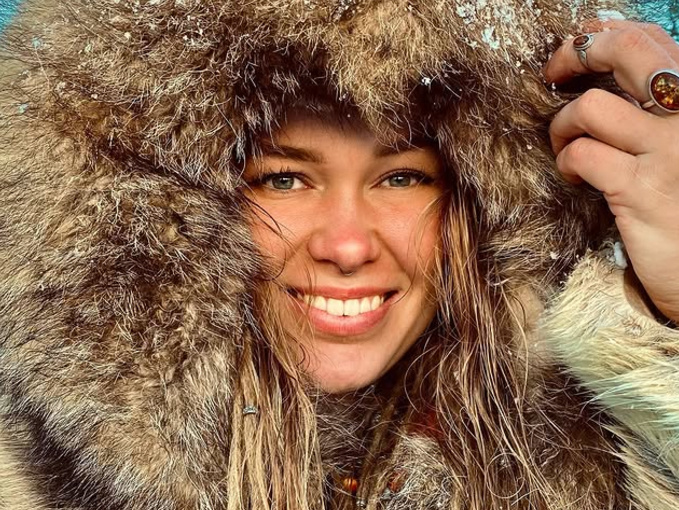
pixel 598 328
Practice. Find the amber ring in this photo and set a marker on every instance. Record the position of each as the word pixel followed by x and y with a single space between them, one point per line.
pixel 580 45
pixel 663 87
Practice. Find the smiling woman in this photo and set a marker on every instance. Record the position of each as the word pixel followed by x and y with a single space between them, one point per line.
pixel 338 255
pixel 350 228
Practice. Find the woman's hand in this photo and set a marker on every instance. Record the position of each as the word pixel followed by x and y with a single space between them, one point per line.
pixel 630 154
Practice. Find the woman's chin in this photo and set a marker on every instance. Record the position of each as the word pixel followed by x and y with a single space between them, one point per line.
pixel 339 385
pixel 345 377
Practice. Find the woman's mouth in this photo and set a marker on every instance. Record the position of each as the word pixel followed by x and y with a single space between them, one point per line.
pixel 339 307
pixel 343 317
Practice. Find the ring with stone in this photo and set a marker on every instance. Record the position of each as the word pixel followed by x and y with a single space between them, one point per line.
pixel 663 88
pixel 580 45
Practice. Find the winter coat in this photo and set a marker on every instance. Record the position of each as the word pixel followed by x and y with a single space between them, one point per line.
pixel 126 268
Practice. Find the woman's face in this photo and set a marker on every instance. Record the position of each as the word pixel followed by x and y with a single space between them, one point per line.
pixel 350 227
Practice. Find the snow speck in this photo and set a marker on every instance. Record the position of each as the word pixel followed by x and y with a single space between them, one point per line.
pixel 575 8
pixel 609 14
pixel 488 37
pixel 619 256
pixel 466 12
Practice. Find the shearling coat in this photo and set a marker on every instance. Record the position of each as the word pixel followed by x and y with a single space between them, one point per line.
pixel 126 268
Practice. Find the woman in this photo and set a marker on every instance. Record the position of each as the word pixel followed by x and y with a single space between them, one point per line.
pixel 319 254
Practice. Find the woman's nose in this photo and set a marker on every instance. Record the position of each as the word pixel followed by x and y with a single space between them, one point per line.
pixel 345 235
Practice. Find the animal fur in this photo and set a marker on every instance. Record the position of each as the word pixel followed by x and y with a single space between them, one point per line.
pixel 126 269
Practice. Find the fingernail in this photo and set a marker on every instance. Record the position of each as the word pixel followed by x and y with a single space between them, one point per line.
pixel 609 14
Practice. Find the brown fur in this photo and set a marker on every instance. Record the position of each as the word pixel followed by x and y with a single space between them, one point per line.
pixel 126 272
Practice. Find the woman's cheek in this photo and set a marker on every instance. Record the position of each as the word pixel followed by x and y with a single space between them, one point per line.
pixel 426 246
pixel 276 231
pixel 264 227
pixel 413 234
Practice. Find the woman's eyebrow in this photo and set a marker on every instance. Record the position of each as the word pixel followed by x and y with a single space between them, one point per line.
pixel 310 156
pixel 293 153
pixel 383 151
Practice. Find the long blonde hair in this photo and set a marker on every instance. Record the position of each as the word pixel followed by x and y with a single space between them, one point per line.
pixel 465 372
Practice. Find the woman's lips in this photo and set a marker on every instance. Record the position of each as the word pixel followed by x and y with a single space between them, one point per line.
pixel 345 325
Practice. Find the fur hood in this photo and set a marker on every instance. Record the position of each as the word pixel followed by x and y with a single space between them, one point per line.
pixel 126 270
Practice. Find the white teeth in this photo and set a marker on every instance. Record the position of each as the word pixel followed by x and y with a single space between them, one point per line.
pixel 338 308
pixel 320 303
pixel 365 305
pixel 352 307
pixel 335 307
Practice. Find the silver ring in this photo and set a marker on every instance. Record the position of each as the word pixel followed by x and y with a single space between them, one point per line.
pixel 348 274
pixel 648 104
pixel 580 45
pixel 663 89
pixel 250 410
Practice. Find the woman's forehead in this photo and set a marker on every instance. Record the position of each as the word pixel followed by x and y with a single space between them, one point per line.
pixel 311 131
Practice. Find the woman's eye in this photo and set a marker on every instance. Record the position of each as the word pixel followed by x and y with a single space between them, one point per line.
pixel 400 181
pixel 403 180
pixel 283 182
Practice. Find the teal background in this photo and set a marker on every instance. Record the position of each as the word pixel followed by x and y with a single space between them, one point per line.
pixel 663 12
pixel 7 8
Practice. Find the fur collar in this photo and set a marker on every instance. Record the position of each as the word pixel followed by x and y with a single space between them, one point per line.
pixel 126 270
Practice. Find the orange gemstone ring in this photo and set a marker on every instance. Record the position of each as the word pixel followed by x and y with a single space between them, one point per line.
pixel 580 45
pixel 663 87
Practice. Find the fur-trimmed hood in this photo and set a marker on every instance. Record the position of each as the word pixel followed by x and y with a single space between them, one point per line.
pixel 126 269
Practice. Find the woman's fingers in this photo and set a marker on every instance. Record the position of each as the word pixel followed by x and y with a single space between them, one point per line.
pixel 629 53
pixel 607 118
pixel 608 169
pixel 655 32
pixel 629 154
pixel 638 189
